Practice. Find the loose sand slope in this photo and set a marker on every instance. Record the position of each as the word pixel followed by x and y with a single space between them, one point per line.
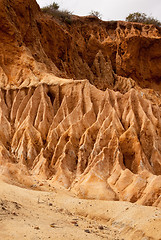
pixel 33 215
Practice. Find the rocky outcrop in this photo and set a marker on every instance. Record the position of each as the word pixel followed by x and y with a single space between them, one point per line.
pixel 99 144
pixel 139 55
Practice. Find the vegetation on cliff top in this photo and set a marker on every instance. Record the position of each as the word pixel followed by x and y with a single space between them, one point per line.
pixel 62 15
pixel 142 18
pixel 95 14
pixel 66 16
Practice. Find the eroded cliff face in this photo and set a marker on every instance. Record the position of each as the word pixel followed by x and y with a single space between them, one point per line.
pixel 35 45
pixel 99 144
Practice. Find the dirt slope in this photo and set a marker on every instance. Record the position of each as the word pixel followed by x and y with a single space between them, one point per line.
pixel 28 214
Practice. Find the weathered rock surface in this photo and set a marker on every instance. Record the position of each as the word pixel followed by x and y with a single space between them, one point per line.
pixel 34 46
pixel 100 144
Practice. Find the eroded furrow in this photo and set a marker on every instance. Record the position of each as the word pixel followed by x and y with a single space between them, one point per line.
pixel 99 144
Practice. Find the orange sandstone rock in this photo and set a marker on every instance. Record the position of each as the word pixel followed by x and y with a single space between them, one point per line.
pixel 99 144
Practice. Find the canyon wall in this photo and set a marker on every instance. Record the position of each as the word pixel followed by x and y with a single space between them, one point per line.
pixel 80 104
pixel 34 44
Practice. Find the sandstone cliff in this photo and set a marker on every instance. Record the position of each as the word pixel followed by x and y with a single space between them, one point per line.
pixel 59 127
pixel 100 144
pixel 34 45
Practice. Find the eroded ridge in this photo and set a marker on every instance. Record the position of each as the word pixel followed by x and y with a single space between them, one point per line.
pixel 101 145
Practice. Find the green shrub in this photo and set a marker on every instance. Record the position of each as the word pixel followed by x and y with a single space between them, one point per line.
pixel 55 5
pixel 142 18
pixel 62 15
pixel 95 14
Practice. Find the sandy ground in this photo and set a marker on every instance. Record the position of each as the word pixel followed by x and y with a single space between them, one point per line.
pixel 33 215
